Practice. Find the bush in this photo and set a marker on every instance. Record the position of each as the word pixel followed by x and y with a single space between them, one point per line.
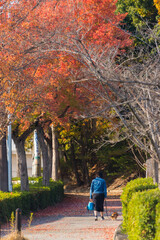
pixel 141 224
pixel 157 226
pixel 38 197
pixel 8 205
pixel 136 185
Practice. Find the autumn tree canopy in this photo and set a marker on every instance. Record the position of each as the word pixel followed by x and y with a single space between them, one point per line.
pixel 45 52
pixel 62 57
pixel 48 51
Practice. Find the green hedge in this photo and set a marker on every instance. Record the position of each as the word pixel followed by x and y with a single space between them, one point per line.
pixel 38 197
pixel 136 185
pixel 157 224
pixel 143 221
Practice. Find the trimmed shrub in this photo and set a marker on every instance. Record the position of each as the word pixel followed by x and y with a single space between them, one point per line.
pixel 8 205
pixel 136 185
pixel 141 224
pixel 38 197
pixel 157 226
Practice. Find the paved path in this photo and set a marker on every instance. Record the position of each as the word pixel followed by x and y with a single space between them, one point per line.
pixel 69 220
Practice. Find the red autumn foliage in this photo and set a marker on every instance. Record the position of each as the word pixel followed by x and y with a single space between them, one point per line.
pixel 46 48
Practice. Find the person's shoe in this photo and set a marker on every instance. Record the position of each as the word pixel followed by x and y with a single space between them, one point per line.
pixel 96 218
pixel 102 218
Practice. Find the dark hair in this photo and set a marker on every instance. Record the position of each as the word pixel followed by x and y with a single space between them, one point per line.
pixel 100 174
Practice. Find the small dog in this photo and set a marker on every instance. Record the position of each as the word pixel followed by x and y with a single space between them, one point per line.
pixel 114 216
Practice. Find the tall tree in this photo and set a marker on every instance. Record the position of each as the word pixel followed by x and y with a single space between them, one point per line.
pixel 121 88
pixel 72 48
pixel 32 83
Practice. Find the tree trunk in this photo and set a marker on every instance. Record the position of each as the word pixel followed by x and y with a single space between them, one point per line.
pixel 49 145
pixel 50 159
pixel 48 141
pixel 85 171
pixel 22 163
pixel 55 155
pixel 3 166
pixel 152 170
pixel 44 149
pixel 84 155
pixel 85 167
pixel 19 140
pixel 79 182
pixel 155 177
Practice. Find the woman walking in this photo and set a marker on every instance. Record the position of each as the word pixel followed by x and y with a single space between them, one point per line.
pixel 98 193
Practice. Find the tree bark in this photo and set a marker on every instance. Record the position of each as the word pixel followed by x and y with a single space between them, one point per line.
pixel 49 146
pixel 85 169
pixel 55 155
pixel 156 170
pixel 79 182
pixel 19 140
pixel 3 166
pixel 50 159
pixel 152 170
pixel 44 149
pixel 22 163
pixel 84 155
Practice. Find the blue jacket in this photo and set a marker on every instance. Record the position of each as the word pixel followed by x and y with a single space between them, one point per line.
pixel 98 185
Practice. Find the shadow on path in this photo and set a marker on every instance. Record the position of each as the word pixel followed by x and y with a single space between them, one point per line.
pixel 70 219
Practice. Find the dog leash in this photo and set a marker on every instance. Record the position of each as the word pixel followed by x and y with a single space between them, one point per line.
pixel 106 210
